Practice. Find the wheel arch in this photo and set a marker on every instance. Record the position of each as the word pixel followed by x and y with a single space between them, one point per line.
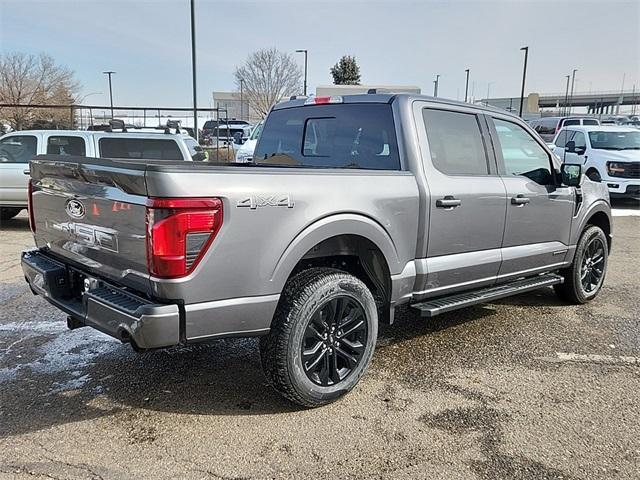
pixel 336 241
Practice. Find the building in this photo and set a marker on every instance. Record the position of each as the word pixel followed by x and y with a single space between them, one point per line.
pixel 237 109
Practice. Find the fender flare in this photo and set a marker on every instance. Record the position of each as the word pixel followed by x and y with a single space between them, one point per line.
pixel 333 226
pixel 596 207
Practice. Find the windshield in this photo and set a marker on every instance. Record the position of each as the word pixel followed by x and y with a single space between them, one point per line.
pixel 256 132
pixel 615 140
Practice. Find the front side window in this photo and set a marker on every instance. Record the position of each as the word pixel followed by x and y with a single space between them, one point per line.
pixel 330 136
pixel 455 142
pixel 521 154
pixel 568 123
pixel 579 140
pixel 590 121
pixel 66 145
pixel 18 148
pixel 195 150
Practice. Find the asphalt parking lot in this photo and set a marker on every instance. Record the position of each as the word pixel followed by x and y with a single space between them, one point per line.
pixel 527 388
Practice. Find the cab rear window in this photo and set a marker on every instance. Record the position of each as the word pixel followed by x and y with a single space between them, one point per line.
pixel 360 136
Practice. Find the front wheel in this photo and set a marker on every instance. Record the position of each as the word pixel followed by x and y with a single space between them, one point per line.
pixel 584 278
pixel 322 337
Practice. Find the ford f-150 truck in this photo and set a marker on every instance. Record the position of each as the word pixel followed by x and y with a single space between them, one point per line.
pixel 354 206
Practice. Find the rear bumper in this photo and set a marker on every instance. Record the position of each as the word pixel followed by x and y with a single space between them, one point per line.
pixel 104 306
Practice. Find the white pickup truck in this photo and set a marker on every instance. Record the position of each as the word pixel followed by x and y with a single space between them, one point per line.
pixel 17 148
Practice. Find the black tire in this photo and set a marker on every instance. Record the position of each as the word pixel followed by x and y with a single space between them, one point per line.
pixel 308 301
pixel 8 213
pixel 573 289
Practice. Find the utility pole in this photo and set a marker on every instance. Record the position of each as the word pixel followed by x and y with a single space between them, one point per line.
pixel 466 87
pixel 435 85
pixel 305 68
pixel 566 96
pixel 109 73
pixel 193 69
pixel 241 99
pixel 524 77
pixel 573 80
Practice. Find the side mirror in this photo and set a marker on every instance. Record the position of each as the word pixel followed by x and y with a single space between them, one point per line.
pixel 570 147
pixel 571 174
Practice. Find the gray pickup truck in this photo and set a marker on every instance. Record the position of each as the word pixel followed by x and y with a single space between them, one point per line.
pixel 355 205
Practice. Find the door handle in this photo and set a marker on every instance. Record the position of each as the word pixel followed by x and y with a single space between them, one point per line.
pixel 26 172
pixel 520 200
pixel 448 201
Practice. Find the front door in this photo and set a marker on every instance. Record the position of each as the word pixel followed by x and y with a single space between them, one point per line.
pixel 539 210
pixel 467 201
pixel 15 153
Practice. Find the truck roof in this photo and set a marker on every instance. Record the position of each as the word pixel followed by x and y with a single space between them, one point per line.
pixel 390 98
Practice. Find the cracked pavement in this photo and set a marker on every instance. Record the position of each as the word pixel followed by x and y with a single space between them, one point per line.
pixel 526 388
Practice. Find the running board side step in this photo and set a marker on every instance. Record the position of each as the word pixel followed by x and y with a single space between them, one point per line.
pixel 436 306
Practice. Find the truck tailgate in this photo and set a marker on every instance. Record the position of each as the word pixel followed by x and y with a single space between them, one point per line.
pixel 92 213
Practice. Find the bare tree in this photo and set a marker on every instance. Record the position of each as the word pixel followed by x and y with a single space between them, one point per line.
pixel 268 76
pixel 35 80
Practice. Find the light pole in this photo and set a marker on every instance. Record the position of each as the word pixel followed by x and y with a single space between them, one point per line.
pixel 524 77
pixel 466 87
pixel 488 90
pixel 306 53
pixel 566 96
pixel 435 85
pixel 193 69
pixel 109 73
pixel 241 99
pixel 573 79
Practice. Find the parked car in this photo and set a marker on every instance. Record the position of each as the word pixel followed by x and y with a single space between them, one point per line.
pixel 548 127
pixel 17 148
pixel 609 154
pixel 245 152
pixel 355 205
pixel 223 129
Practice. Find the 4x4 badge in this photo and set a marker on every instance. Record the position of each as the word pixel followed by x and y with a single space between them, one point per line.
pixel 75 208
pixel 255 201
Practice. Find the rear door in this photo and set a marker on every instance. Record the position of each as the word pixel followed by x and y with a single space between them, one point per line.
pixel 539 211
pixel 467 200
pixel 15 153
pixel 66 144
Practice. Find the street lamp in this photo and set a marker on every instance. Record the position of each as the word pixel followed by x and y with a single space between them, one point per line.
pixel 193 70
pixel 566 95
pixel 524 76
pixel 573 79
pixel 109 73
pixel 435 85
pixel 466 87
pixel 488 90
pixel 305 68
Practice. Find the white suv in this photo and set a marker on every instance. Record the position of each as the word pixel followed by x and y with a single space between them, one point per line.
pixel 17 148
pixel 610 154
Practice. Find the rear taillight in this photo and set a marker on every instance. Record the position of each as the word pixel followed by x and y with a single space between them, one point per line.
pixel 179 232
pixel 32 221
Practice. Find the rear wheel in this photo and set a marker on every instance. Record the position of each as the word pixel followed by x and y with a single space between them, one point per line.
pixel 322 337
pixel 584 278
pixel 8 213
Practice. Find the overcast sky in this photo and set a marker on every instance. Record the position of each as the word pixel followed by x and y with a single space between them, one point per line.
pixel 147 43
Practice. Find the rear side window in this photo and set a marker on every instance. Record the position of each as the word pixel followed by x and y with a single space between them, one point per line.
pixel 66 145
pixel 590 121
pixel 138 148
pixel 330 136
pixel 17 148
pixel 455 142
pixel 570 122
